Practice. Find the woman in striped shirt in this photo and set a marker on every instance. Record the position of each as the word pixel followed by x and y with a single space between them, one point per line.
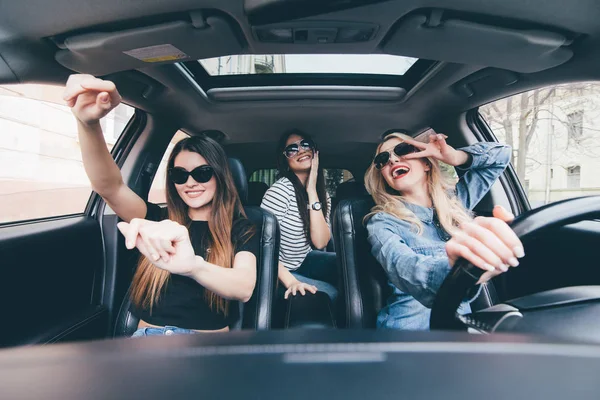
pixel 299 201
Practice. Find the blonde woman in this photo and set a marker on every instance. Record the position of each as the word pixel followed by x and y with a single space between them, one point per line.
pixel 421 223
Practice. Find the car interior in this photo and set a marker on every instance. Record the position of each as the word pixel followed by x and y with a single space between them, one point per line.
pixel 65 279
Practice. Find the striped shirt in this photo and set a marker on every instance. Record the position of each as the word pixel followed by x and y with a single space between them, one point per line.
pixel 280 199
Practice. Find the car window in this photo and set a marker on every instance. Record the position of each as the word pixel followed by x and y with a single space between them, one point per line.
pixel 157 193
pixel 333 177
pixel 41 172
pixel 555 136
pixel 449 171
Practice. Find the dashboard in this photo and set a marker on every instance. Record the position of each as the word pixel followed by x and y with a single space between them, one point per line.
pixel 301 364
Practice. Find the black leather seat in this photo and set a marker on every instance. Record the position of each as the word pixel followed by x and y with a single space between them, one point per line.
pixel 350 189
pixel 257 312
pixel 364 289
pixel 313 311
pixel 347 190
pixel 256 192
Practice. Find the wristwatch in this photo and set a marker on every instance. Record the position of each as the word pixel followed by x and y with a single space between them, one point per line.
pixel 315 206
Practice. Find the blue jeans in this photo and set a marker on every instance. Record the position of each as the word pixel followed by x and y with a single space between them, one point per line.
pixel 166 331
pixel 319 268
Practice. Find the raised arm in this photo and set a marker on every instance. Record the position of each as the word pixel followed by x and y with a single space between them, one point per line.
pixel 90 100
pixel 482 162
pixel 319 228
pixel 488 162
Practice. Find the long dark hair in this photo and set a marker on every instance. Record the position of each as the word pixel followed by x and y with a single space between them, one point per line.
pixel 149 280
pixel 284 171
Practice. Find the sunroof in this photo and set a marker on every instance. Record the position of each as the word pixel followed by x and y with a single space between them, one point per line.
pixel 282 70
pixel 252 64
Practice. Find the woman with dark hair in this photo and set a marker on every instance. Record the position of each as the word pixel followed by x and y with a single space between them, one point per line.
pixel 299 201
pixel 201 254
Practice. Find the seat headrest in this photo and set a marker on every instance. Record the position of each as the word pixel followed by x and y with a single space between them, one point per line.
pixel 239 178
pixel 350 189
pixel 256 191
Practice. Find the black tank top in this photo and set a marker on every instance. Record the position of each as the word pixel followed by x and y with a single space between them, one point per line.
pixel 182 302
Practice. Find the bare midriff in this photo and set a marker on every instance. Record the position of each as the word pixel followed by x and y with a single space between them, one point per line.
pixel 144 324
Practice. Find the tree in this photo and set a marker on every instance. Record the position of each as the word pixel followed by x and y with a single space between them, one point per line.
pixel 527 120
pixel 518 118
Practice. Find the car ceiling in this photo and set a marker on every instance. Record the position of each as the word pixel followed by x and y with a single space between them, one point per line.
pixel 29 31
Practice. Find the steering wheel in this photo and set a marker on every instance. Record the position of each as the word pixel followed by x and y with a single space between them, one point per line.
pixel 465 275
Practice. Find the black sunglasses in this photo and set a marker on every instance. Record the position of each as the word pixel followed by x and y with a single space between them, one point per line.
pixel 400 150
pixel 293 149
pixel 201 174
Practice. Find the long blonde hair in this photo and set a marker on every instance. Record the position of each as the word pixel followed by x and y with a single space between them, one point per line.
pixel 450 212
pixel 149 280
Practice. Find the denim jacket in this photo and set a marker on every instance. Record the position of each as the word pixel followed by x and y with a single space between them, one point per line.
pixel 417 265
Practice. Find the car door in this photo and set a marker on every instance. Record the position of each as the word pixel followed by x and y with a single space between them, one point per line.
pixel 51 247
pixel 555 135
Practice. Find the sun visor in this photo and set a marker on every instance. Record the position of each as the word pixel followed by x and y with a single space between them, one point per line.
pixel 457 40
pixel 102 53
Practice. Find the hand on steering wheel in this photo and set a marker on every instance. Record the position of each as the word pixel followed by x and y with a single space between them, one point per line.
pixel 487 243
pixel 467 273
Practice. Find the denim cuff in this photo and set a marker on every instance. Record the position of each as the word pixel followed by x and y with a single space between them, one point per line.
pixel 482 154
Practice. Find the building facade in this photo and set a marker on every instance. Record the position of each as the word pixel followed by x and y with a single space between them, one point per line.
pixel 562 150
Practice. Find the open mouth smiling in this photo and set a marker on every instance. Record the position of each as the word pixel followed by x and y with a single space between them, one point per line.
pixel 399 171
